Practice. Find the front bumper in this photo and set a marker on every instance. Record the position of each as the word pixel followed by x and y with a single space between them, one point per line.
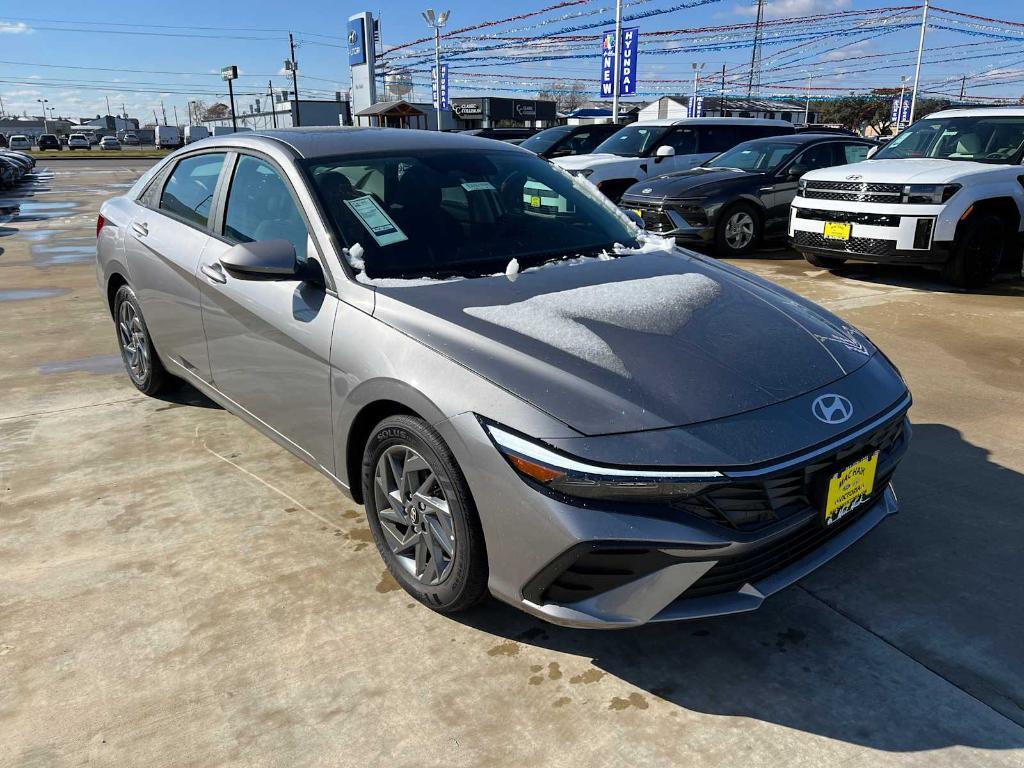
pixel 593 565
pixel 687 223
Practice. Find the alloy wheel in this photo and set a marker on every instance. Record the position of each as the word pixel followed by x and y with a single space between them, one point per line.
pixel 414 515
pixel 739 230
pixel 134 344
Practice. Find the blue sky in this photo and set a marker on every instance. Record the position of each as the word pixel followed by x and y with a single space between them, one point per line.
pixel 59 51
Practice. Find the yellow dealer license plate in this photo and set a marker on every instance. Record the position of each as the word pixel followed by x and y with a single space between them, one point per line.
pixel 850 488
pixel 836 231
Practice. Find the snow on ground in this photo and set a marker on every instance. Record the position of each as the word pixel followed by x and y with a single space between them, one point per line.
pixel 660 305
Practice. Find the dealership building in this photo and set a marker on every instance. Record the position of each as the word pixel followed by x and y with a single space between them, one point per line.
pixel 498 112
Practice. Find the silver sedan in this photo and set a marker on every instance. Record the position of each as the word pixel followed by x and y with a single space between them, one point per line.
pixel 531 396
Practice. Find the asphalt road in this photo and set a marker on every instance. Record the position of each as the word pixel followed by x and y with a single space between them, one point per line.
pixel 176 590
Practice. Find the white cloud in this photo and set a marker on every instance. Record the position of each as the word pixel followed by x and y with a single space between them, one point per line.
pixel 776 9
pixel 14 28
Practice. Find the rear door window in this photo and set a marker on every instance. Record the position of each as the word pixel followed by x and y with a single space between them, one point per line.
pixel 718 138
pixel 188 194
pixel 854 153
pixel 683 139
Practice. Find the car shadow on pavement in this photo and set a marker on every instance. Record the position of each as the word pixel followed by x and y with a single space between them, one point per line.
pixel 185 394
pixel 1005 284
pixel 908 641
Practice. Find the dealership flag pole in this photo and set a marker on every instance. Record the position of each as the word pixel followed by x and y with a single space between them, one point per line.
pixel 920 54
pixel 617 51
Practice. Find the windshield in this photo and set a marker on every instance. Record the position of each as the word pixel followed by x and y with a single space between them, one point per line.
pixel 996 139
pixel 545 140
pixel 441 213
pixel 632 141
pixel 758 156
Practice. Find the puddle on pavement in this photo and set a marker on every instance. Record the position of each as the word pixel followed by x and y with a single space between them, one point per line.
pixel 56 255
pixel 35 211
pixel 26 294
pixel 98 364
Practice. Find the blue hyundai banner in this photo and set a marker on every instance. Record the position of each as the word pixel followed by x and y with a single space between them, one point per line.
pixel 444 86
pixel 356 42
pixel 628 59
pixel 695 107
pixel 900 113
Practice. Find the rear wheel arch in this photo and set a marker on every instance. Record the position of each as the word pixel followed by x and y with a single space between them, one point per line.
pixel 114 283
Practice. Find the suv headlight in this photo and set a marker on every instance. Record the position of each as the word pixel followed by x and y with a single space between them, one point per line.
pixel 575 477
pixel 801 187
pixel 929 194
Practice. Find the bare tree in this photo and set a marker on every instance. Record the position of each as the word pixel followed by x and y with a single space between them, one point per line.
pixel 568 96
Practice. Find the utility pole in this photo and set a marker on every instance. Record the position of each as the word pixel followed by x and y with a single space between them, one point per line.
pixel 920 55
pixel 270 100
pixel 295 78
pixel 721 106
pixel 108 108
pixel 156 120
pixel 754 81
pixel 807 104
pixel 231 98
pixel 175 108
pixel 163 111
pixel 963 87
pixel 46 128
pixel 2 113
pixel 617 70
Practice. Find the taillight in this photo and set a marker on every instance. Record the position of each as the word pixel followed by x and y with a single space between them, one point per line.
pixel 100 221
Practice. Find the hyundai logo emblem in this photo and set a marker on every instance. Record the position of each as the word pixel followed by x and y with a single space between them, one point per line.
pixel 854 177
pixel 832 409
pixel 353 37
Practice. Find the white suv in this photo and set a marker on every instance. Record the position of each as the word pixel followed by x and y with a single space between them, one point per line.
pixel 20 142
pixel 947 192
pixel 657 147
pixel 78 141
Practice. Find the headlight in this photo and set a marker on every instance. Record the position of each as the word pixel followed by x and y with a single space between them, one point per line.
pixel 801 187
pixel 574 477
pixel 582 172
pixel 929 194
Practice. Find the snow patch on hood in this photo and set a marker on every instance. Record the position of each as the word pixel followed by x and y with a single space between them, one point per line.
pixel 661 305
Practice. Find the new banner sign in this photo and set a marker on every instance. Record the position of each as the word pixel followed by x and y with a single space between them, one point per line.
pixel 900 112
pixel 444 86
pixel 695 107
pixel 627 62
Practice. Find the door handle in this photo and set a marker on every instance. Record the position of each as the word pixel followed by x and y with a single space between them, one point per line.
pixel 140 228
pixel 214 272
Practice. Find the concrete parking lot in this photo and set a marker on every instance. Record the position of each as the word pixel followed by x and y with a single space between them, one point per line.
pixel 176 590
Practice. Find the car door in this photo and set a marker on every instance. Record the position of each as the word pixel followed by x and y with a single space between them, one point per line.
pixel 269 340
pixel 778 195
pixel 165 242
pixel 682 139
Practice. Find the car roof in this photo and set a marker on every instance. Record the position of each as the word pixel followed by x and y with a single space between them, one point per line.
pixel 716 121
pixel 311 143
pixel 978 112
pixel 807 138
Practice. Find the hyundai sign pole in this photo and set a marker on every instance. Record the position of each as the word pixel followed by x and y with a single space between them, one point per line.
pixel 229 74
pixel 617 53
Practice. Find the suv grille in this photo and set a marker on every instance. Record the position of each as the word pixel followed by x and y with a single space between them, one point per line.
pixel 852 217
pixel 865 246
pixel 754 504
pixel 858 191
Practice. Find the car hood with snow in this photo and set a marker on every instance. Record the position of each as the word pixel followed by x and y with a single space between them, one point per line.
pixel 603 161
pixel 651 340
pixel 907 171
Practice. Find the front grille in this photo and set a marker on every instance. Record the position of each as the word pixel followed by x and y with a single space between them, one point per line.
pixel 732 573
pixel 851 217
pixel 750 505
pixel 853 190
pixel 866 246
pixel 655 219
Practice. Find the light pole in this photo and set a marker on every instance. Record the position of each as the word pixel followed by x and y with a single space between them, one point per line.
pixel 437 21
pixel 920 55
pixel 46 127
pixel 693 101
pixel 293 66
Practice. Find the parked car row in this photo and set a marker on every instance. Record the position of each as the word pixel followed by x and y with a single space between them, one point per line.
pixel 14 166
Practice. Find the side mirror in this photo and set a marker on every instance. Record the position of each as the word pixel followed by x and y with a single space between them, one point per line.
pixel 795 172
pixel 262 260
pixel 873 151
pixel 664 151
pixel 635 217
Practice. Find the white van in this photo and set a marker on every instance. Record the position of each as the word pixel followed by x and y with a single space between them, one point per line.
pixel 656 147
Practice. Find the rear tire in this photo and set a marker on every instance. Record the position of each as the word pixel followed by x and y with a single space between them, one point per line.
pixel 825 262
pixel 141 360
pixel 422 515
pixel 738 230
pixel 977 252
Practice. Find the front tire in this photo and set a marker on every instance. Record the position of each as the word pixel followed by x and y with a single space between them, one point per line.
pixel 137 351
pixel 422 515
pixel 738 231
pixel 977 253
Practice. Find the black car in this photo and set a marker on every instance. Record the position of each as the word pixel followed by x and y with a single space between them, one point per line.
pixel 49 141
pixel 742 196
pixel 501 134
pixel 566 140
